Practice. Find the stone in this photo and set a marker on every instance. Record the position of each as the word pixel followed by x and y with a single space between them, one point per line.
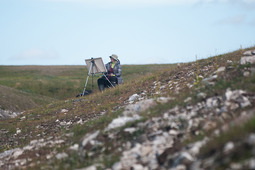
pixel 228 147
pixel 229 61
pixel 17 153
pixel 251 139
pixel 247 60
pixel 117 166
pixel 247 53
pixel 137 167
pixel 212 102
pixel 138 107
pixel 121 121
pixel 188 99
pixel 133 98
pixel 201 95
pixel 246 74
pixel 62 155
pixel 252 164
pixel 210 79
pixel 74 147
pixel 253 52
pixel 235 166
pixel 220 69
pixel 130 130
pixel 209 125
pixel 89 137
pixel 18 131
pixel 64 111
pixel 164 99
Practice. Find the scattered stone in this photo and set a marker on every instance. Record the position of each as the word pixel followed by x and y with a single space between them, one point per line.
pixel 228 147
pixel 247 53
pixel 18 131
pixel 164 99
pixel 64 111
pixel 247 60
pixel 130 130
pixel 187 100
pixel 133 98
pixel 121 121
pixel 74 147
pixel 17 153
pixel 221 69
pixel 201 95
pixel 89 137
pixel 246 74
pixel 62 155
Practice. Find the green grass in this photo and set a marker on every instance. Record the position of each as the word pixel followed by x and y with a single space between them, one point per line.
pixel 62 83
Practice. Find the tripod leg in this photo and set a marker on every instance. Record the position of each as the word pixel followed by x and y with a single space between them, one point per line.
pixel 87 80
pixel 109 81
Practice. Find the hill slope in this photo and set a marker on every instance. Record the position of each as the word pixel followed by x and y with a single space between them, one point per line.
pixel 197 116
pixel 13 102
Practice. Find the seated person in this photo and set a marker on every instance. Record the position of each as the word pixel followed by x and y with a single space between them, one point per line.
pixel 113 74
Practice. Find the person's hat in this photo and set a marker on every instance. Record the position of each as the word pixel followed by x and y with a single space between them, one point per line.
pixel 115 57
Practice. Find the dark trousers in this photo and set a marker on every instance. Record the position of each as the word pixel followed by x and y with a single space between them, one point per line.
pixel 104 83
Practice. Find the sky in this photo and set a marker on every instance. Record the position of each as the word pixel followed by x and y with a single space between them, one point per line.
pixel 66 32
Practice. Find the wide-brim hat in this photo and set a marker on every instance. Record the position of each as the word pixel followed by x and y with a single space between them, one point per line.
pixel 114 56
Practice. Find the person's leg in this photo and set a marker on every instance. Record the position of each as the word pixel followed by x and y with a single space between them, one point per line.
pixel 101 83
pixel 113 80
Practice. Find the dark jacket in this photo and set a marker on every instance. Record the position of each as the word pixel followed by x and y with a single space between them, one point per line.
pixel 116 71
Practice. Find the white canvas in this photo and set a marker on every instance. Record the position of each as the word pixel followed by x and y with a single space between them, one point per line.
pixel 99 66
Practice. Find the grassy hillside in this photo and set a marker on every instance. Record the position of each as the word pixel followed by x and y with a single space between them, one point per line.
pixel 198 115
pixel 29 84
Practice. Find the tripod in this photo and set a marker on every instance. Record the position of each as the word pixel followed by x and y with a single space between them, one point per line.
pixel 95 66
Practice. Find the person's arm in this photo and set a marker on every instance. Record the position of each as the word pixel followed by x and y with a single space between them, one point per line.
pixel 118 73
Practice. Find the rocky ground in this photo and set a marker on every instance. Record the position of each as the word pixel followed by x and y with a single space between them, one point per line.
pixel 208 127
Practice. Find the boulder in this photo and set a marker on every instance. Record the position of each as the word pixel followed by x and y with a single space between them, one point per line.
pixel 247 60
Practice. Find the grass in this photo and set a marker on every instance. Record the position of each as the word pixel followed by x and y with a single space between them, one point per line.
pixel 61 83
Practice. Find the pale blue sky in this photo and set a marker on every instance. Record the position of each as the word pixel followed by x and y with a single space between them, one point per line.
pixel 65 32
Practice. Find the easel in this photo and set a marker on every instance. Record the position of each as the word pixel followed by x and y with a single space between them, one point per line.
pixel 95 66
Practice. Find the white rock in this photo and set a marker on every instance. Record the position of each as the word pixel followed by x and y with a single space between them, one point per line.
pixel 61 155
pixel 164 99
pixel 137 167
pixel 130 130
pixel 75 147
pixel 121 121
pixel 251 139
pixel 246 60
pixel 187 156
pixel 228 147
pixel 246 74
pixel 17 153
pixel 221 69
pixel 133 98
pixel 235 166
pixel 117 166
pixel 188 99
pixel 64 110
pixel 201 95
pixel 229 61
pixel 80 122
pixel 138 107
pixel 180 167
pixel 18 131
pixel 92 167
pixel 247 53
pixel 89 137
pixel 173 132
pixel 28 147
pixel 212 102
pixel 252 164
